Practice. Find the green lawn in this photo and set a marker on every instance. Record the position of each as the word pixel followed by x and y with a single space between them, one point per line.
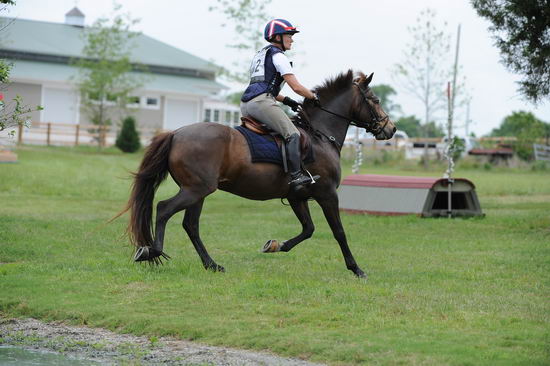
pixel 458 292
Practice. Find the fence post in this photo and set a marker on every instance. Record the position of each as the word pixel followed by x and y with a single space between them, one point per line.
pixel 102 136
pixel 49 133
pixel 77 133
pixel 20 135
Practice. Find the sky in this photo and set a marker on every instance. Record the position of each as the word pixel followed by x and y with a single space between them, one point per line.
pixel 365 35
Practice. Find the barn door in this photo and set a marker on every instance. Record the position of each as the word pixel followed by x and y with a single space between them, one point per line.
pixel 180 113
pixel 60 105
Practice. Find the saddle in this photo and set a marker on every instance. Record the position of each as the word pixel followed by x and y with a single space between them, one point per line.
pixel 262 129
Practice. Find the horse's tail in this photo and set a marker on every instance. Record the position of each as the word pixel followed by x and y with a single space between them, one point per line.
pixel 152 171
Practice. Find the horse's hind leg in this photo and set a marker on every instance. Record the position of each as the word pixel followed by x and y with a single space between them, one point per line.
pixel 165 210
pixel 191 226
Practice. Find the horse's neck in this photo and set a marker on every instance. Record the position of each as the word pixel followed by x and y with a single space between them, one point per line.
pixel 332 125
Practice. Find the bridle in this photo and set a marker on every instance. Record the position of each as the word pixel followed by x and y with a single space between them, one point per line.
pixel 375 126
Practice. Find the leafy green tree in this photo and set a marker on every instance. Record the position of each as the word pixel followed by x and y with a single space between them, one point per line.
pixel 248 18
pixel 12 113
pixel 104 79
pixel 526 128
pixel 434 130
pixel 234 98
pixel 521 32
pixel 385 93
pixel 412 126
pixel 128 137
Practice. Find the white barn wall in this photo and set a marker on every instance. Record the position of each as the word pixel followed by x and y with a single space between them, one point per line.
pixel 31 94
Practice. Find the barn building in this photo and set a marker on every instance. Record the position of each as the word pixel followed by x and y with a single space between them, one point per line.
pixel 178 90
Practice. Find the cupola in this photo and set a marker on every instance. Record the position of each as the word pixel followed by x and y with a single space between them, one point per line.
pixel 75 17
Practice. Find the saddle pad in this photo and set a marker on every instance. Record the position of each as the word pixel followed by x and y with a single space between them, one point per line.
pixel 263 148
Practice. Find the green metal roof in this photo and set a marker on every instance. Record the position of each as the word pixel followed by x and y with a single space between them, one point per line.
pixel 59 39
pixel 33 70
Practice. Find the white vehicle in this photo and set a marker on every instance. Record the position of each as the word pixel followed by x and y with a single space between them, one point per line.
pixel 399 139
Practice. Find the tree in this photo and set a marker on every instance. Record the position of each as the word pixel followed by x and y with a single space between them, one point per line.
pixel 12 113
pixel 234 98
pixel 425 69
pixel 249 18
pixel 385 92
pixel 128 137
pixel 104 80
pixel 520 29
pixel 526 128
pixel 412 126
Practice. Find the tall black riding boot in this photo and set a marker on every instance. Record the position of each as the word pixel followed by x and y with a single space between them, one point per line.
pixel 297 177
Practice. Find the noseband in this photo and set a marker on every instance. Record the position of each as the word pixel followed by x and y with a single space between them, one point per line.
pixel 375 126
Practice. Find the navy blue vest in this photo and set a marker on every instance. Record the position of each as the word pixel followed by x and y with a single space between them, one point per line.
pixel 272 80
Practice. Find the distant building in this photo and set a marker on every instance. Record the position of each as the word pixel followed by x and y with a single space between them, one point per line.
pixel 175 95
pixel 216 110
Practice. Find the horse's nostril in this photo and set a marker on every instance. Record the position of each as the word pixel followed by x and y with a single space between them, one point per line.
pixel 394 129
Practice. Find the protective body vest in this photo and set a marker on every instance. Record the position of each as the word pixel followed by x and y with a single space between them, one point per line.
pixel 264 77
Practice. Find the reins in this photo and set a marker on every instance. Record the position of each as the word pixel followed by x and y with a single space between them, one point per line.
pixel 367 125
pixel 374 127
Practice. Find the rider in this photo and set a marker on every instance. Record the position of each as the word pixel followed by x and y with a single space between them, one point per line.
pixel 269 69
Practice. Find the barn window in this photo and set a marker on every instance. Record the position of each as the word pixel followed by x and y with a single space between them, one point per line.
pixel 207 115
pixel 151 102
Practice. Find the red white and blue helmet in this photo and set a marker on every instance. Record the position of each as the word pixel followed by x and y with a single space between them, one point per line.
pixel 278 26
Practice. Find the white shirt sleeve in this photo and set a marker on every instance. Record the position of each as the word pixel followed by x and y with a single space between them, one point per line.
pixel 282 64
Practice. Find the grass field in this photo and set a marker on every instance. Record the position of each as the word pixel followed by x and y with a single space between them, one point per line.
pixel 457 292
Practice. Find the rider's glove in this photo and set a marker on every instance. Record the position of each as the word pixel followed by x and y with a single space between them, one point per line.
pixel 294 105
pixel 316 100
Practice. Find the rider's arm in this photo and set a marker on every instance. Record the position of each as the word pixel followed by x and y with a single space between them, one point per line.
pixel 296 87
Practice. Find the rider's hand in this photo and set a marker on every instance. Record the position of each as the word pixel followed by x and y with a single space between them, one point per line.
pixel 294 105
pixel 316 101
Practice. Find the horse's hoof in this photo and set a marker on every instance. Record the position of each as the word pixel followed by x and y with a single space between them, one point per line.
pixel 142 254
pixel 360 274
pixel 151 255
pixel 271 246
pixel 214 268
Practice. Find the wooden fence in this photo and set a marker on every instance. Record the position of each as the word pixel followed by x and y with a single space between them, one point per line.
pixel 48 133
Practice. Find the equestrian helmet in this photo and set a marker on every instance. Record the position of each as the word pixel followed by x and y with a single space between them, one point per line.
pixel 278 26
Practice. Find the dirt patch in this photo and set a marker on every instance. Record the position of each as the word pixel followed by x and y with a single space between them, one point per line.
pixel 107 347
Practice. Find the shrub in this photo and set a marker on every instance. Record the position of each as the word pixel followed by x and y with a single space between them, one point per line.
pixel 541 166
pixel 128 137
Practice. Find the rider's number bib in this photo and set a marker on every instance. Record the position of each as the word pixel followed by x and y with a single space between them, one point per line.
pixel 257 67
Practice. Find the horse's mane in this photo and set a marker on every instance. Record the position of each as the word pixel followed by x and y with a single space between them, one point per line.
pixel 329 89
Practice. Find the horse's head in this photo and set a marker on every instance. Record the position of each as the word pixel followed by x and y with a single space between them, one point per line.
pixel 368 111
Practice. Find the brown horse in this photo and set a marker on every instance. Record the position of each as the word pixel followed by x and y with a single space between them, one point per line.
pixel 206 156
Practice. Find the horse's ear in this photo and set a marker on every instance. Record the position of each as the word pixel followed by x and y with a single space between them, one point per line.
pixel 369 78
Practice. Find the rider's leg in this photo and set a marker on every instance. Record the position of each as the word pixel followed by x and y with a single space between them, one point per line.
pixel 297 176
pixel 264 108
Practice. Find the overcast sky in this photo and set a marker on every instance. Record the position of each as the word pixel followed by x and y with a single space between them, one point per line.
pixel 365 35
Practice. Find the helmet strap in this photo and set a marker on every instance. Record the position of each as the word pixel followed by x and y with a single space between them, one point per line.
pixel 279 40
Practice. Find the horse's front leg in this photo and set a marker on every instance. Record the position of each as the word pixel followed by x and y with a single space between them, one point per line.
pixel 329 204
pixel 301 210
